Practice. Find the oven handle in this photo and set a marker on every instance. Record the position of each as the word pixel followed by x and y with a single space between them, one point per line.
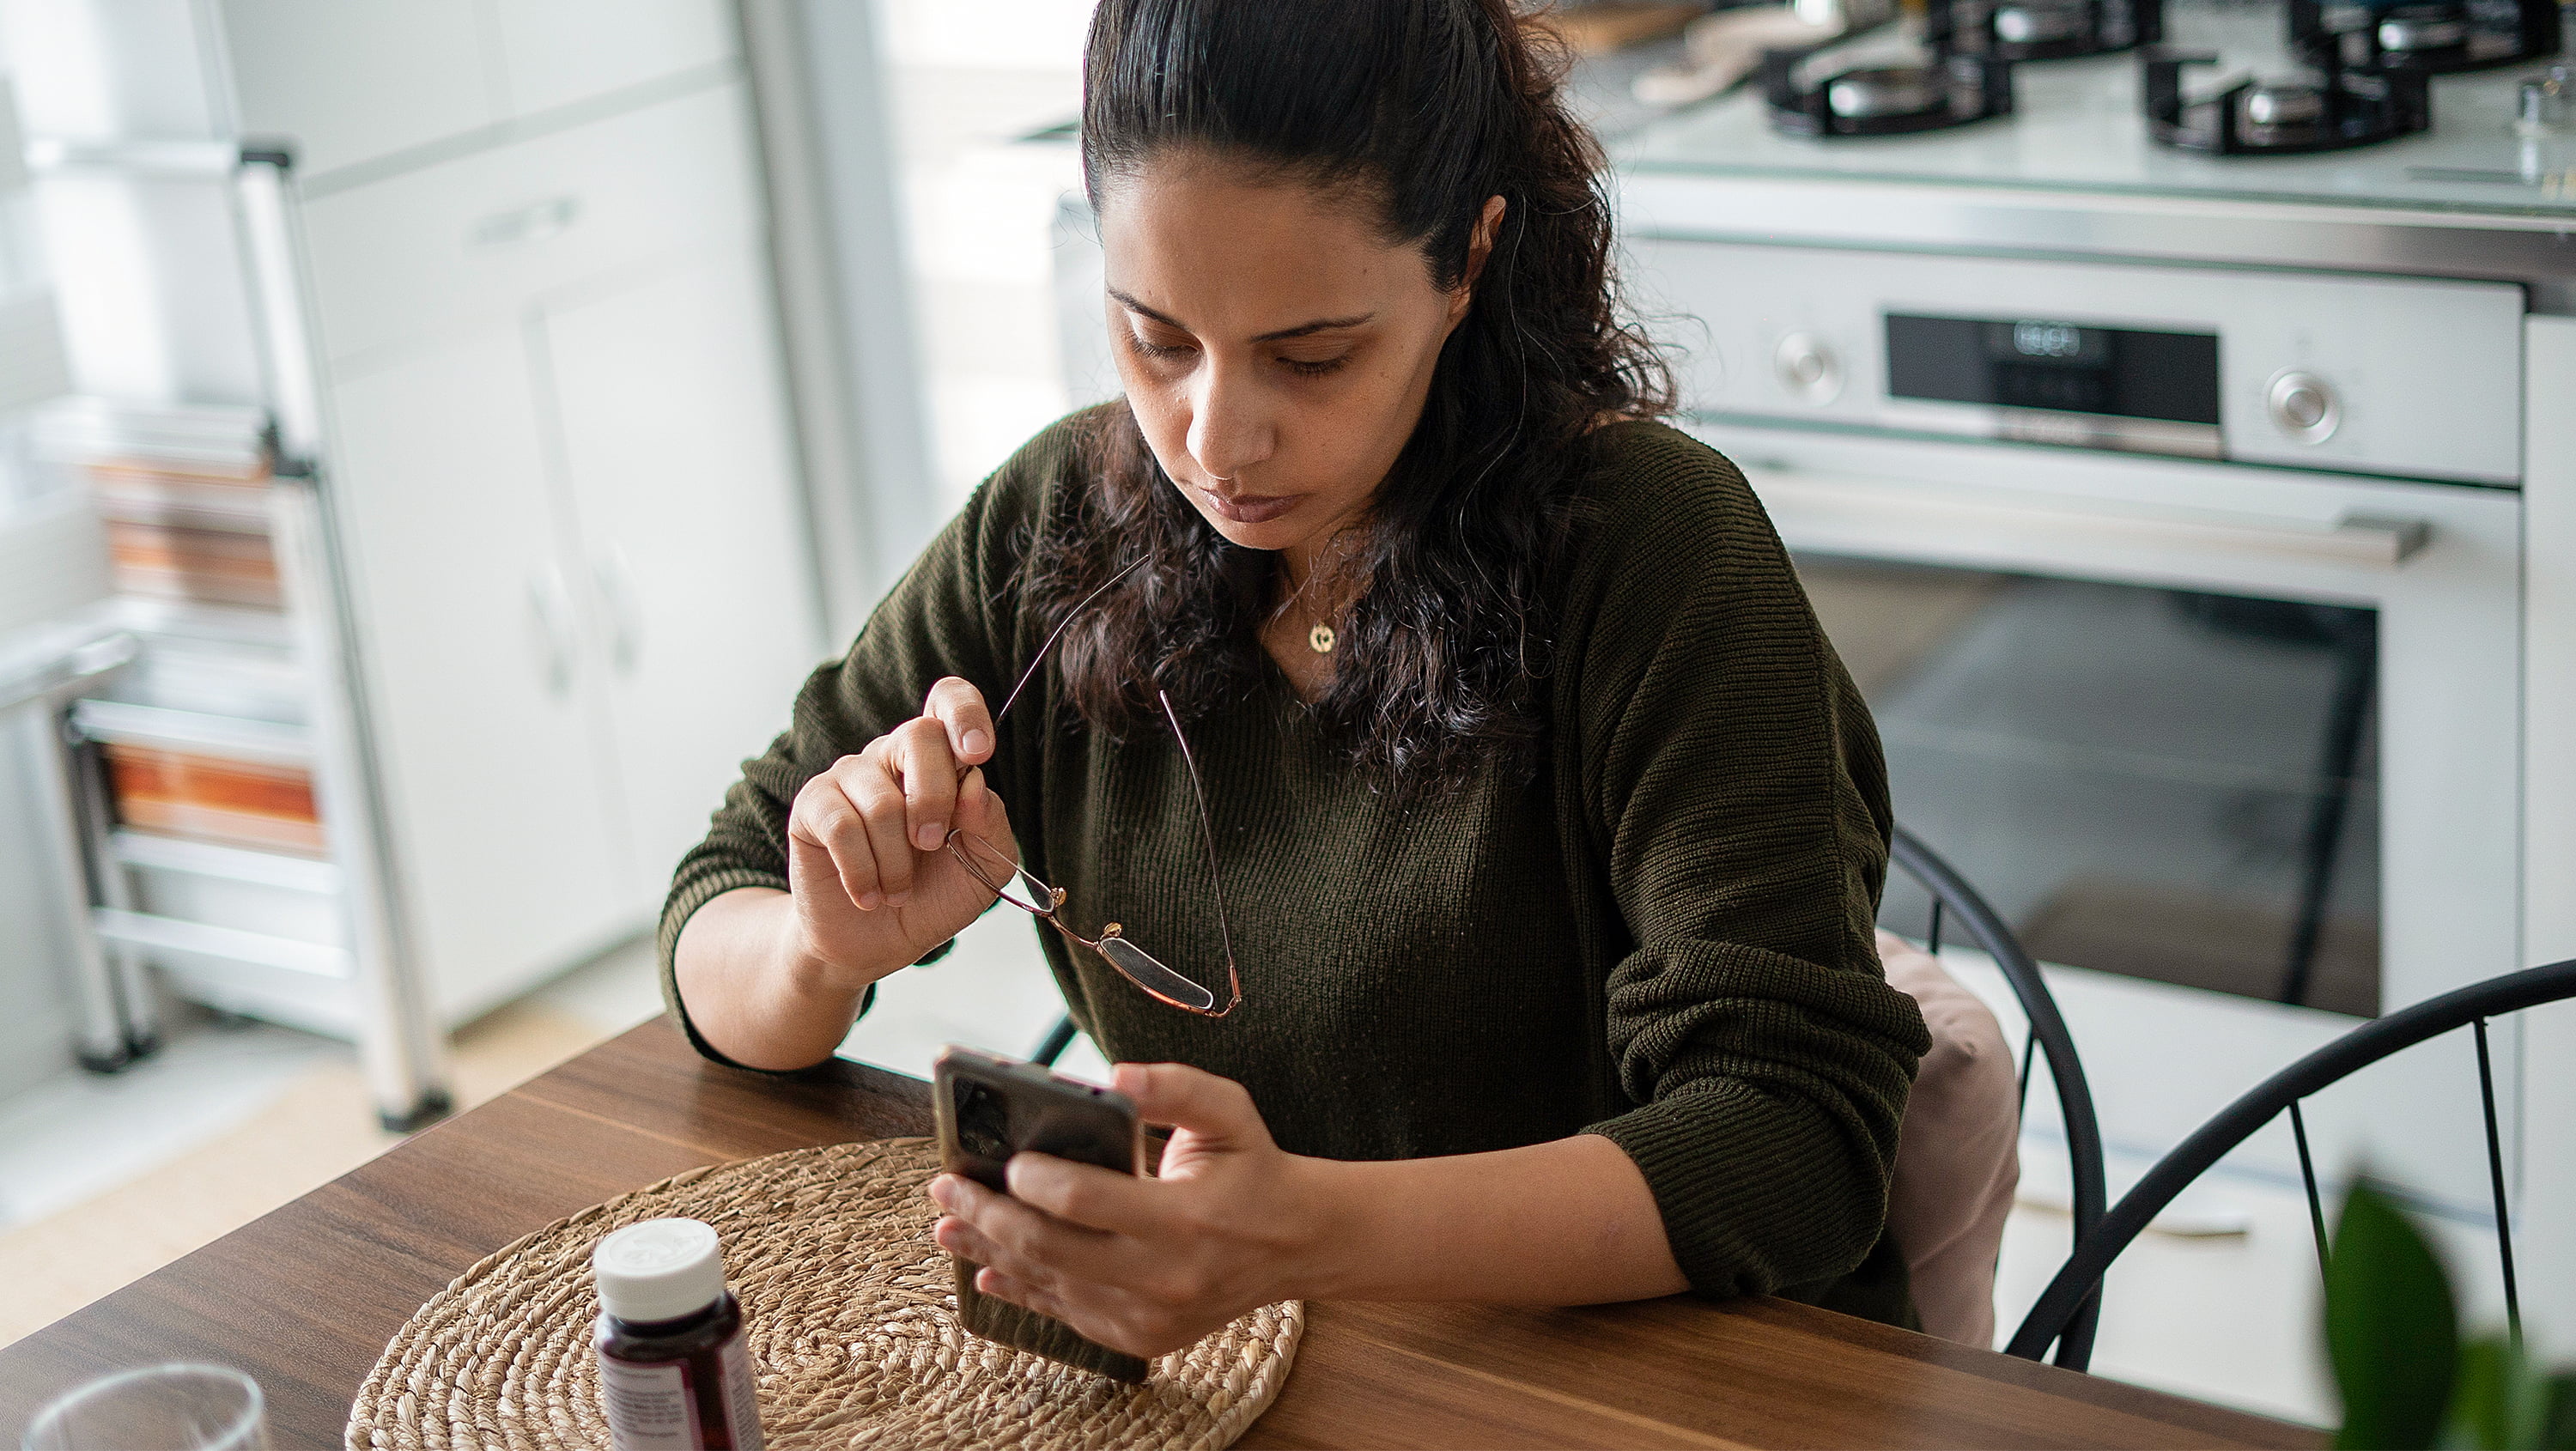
pixel 2364 539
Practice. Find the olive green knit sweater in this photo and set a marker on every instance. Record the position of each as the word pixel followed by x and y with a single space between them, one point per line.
pixel 1664 937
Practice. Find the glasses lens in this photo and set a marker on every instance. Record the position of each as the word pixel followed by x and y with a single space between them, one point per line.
pixel 999 876
pixel 1153 977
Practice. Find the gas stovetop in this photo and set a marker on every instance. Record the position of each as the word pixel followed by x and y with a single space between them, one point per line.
pixel 2079 125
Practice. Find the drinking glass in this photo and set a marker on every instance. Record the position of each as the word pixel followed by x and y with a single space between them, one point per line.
pixel 157 1408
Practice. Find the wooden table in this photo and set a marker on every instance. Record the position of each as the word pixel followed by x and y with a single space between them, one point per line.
pixel 305 1299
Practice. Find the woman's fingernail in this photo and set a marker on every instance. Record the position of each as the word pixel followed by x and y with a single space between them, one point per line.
pixel 974 742
pixel 940 1192
pixel 931 837
pixel 868 901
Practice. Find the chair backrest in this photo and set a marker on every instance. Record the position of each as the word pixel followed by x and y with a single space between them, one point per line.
pixel 2079 1283
pixel 1953 900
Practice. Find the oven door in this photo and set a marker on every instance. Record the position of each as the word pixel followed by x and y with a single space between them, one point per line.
pixel 2234 748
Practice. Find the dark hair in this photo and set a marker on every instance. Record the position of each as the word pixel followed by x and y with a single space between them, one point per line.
pixel 1420 110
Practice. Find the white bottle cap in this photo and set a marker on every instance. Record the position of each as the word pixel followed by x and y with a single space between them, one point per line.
pixel 661 1269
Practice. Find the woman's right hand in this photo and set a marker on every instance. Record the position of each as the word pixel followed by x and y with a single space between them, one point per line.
pixel 874 884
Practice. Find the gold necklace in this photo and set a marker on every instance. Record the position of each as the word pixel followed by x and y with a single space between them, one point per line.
pixel 1319 636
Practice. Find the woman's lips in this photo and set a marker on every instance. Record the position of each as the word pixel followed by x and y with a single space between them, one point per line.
pixel 1251 508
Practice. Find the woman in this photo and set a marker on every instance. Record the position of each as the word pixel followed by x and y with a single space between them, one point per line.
pixel 1543 826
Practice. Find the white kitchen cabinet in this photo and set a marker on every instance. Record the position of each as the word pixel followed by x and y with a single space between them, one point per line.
pixel 350 82
pixel 584 591
pixel 362 81
pixel 675 445
pixel 482 675
pixel 509 317
pixel 463 245
pixel 558 52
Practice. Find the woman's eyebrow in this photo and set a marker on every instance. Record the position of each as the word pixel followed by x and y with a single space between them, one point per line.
pixel 1319 325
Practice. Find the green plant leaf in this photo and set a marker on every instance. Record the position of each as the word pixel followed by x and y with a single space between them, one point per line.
pixel 2392 1329
pixel 2528 1394
pixel 2558 1422
pixel 2498 1402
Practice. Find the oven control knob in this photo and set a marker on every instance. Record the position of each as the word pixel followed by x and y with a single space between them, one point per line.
pixel 2303 406
pixel 1808 368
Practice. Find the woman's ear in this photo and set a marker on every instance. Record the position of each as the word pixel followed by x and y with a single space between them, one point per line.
pixel 1480 246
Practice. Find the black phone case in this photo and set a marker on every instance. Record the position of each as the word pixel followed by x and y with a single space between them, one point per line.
pixel 1039 1112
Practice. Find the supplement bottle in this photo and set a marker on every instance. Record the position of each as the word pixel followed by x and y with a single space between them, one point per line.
pixel 673 1369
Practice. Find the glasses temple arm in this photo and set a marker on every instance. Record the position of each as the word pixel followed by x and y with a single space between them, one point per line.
pixel 1207 830
pixel 1060 627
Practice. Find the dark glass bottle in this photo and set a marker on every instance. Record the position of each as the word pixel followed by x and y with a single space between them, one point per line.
pixel 674 1372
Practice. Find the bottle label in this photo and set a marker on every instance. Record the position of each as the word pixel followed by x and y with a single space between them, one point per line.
pixel 741 1395
pixel 649 1406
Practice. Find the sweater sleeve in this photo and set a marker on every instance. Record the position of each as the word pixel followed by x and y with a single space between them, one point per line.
pixel 951 614
pixel 1732 783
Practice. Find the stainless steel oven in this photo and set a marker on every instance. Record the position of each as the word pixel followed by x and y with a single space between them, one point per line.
pixel 2187 600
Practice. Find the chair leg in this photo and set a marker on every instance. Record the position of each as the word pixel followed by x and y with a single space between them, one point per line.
pixel 1058 1038
pixel 2308 1176
pixel 102 1044
pixel 134 986
pixel 2495 1177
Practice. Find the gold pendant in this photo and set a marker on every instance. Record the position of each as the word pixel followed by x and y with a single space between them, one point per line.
pixel 1321 638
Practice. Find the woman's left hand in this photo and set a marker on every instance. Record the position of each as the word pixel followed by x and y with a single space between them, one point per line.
pixel 1148 1265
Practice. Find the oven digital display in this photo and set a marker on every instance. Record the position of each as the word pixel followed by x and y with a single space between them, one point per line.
pixel 2060 367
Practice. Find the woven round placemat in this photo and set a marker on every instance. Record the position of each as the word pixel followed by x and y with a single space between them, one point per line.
pixel 852 1323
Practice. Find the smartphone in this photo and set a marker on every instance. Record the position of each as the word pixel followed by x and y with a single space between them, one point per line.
pixel 991 1107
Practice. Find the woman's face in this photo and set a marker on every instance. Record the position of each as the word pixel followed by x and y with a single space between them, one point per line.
pixel 1275 349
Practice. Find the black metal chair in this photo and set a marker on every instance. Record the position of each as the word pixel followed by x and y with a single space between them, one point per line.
pixel 1058 1038
pixel 2078 1284
pixel 1954 898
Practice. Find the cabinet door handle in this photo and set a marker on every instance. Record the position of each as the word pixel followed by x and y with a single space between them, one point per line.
pixel 538 222
pixel 550 602
pixel 625 616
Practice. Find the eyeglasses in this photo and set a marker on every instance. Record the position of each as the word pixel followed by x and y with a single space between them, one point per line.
pixel 1018 886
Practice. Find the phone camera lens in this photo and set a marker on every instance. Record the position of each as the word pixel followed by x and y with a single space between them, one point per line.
pixel 983 1122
